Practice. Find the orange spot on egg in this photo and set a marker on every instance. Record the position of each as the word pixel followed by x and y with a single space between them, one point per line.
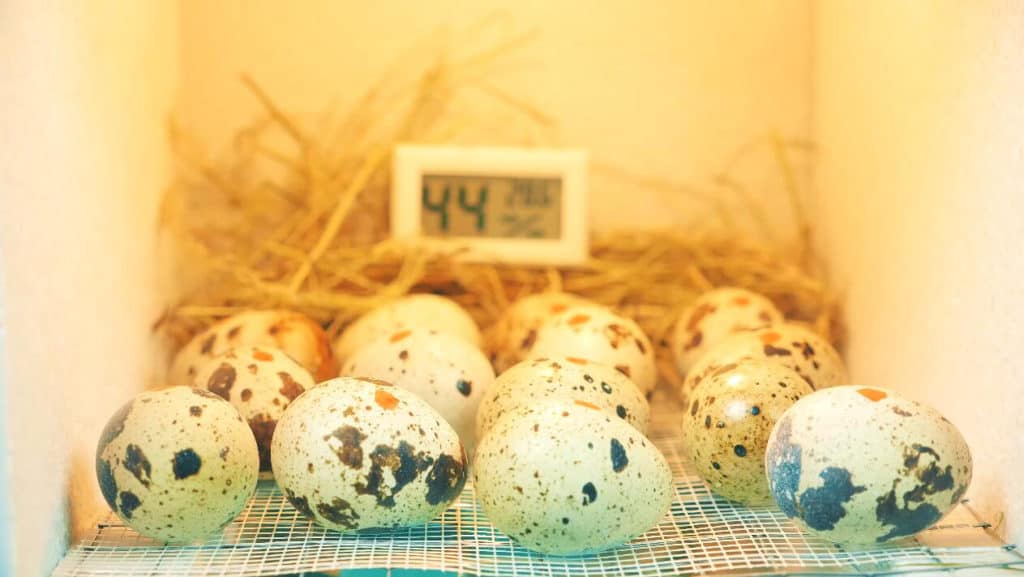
pixel 587 405
pixel 576 360
pixel 399 336
pixel 578 319
pixel 262 355
pixel 555 309
pixel 386 400
pixel 770 337
pixel 873 395
pixel 741 301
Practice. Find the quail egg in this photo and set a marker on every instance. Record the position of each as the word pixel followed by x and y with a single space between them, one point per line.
pixel 861 465
pixel 177 464
pixel 418 311
pixel 599 335
pixel 788 344
pixel 358 453
pixel 726 426
pixel 446 371
pixel 566 378
pixel 714 316
pixel 567 478
pixel 509 340
pixel 294 333
pixel 260 382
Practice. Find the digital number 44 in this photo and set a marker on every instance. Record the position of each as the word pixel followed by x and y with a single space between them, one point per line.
pixel 441 207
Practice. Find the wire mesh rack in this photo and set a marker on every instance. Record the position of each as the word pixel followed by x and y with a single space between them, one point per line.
pixel 702 534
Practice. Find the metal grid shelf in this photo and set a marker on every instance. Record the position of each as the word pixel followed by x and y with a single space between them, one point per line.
pixel 702 534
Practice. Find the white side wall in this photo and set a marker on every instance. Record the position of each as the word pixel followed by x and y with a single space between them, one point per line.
pixel 919 114
pixel 85 88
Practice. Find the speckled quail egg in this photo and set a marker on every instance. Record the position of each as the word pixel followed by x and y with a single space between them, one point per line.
pixel 599 335
pixel 728 421
pixel 510 338
pixel 294 333
pixel 788 344
pixel 418 311
pixel 446 371
pixel 177 464
pixel 358 453
pixel 566 378
pixel 860 465
pixel 715 315
pixel 260 382
pixel 566 478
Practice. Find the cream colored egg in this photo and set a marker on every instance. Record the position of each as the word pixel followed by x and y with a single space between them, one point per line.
pixel 509 340
pixel 728 421
pixel 177 464
pixel 599 335
pixel 863 465
pixel 418 311
pixel 294 333
pixel 566 478
pixel 714 316
pixel 790 345
pixel 355 453
pixel 566 378
pixel 260 382
pixel 446 371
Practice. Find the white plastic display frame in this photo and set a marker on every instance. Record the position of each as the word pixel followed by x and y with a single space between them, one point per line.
pixel 411 162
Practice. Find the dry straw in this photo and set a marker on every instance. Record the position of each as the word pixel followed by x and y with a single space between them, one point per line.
pixel 297 218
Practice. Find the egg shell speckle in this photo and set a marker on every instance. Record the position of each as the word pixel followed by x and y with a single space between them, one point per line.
pixel 177 464
pixel 260 382
pixel 727 424
pixel 599 335
pixel 509 339
pixel 418 311
pixel 358 453
pixel 294 333
pixel 564 478
pixel 861 465
pixel 446 371
pixel 714 316
pixel 790 345
pixel 569 379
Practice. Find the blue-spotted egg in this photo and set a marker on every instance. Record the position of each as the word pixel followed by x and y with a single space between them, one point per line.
pixel 597 334
pixel 355 453
pixel 713 317
pixel 566 478
pixel 177 464
pixel 860 465
pixel 728 421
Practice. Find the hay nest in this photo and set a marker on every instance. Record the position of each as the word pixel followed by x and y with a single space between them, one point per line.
pixel 297 218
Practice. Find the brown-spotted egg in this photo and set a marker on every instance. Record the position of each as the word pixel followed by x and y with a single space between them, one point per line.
pixel 294 333
pixel 356 453
pixel 715 315
pixel 260 382
pixel 599 335
pixel 444 370
pixel 565 378
pixel 510 338
pixel 417 311
pixel 566 478
pixel 177 464
pixel 728 421
pixel 790 345
pixel 861 465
